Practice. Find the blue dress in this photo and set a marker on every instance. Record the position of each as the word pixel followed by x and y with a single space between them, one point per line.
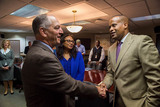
pixel 74 67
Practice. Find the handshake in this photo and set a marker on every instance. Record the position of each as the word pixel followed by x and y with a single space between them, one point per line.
pixel 102 90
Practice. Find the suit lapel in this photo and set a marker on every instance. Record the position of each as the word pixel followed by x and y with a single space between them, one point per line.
pixel 113 54
pixel 124 48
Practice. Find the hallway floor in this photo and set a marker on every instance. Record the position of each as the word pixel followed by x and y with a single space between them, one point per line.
pixel 15 100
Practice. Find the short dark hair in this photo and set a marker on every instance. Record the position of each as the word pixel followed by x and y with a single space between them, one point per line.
pixel 98 41
pixel 40 21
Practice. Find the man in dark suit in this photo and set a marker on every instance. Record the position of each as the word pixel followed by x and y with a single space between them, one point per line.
pixel 27 47
pixel 45 82
pixel 134 66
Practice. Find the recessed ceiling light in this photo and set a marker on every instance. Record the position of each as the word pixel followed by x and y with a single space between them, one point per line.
pixel 29 11
pixel 150 17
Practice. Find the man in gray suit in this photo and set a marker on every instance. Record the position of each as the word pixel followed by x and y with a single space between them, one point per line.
pixel 45 82
pixel 133 66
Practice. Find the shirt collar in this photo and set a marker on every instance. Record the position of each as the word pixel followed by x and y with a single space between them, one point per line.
pixel 2 51
pixel 46 45
pixel 79 45
pixel 124 38
pixel 97 47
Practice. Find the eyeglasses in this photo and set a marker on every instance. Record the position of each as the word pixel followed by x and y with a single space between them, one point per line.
pixel 69 41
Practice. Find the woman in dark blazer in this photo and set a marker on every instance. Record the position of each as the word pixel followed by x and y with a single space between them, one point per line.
pixel 6 66
pixel 70 58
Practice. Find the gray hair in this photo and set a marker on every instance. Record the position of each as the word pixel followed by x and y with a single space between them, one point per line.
pixel 41 21
pixel 78 41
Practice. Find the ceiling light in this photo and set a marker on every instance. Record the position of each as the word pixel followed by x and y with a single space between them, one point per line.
pixel 77 23
pixel 74 28
pixel 29 11
pixel 150 17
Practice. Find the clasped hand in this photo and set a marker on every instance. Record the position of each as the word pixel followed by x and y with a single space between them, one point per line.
pixel 6 68
pixel 102 90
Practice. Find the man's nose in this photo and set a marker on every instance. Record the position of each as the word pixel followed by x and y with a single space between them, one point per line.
pixel 60 30
pixel 110 29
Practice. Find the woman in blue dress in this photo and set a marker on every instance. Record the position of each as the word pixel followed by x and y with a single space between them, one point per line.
pixel 6 66
pixel 70 58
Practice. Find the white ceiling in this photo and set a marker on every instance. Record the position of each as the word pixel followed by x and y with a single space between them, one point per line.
pixel 97 12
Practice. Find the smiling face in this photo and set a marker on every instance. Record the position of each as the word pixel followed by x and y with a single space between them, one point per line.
pixel 68 43
pixel 118 27
pixel 6 44
pixel 53 33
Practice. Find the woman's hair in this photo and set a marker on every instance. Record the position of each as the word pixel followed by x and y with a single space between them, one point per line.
pixel 60 48
pixel 4 41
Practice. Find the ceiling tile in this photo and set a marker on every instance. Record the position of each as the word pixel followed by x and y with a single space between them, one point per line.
pixel 99 4
pixel 52 5
pixel 121 2
pixel 132 10
pixel 9 6
pixel 72 1
pixel 9 20
pixel 84 12
pixel 154 6
pixel 111 12
pixel 155 11
pixel 27 1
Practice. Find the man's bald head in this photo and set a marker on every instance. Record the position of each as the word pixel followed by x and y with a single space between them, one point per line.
pixel 118 27
pixel 121 18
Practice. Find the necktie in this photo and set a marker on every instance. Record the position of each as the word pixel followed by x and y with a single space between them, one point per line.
pixel 118 50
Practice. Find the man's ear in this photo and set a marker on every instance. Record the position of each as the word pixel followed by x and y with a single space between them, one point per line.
pixel 42 32
pixel 125 25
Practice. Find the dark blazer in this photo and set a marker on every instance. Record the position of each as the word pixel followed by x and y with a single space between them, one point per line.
pixel 137 71
pixel 45 82
pixel 26 49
